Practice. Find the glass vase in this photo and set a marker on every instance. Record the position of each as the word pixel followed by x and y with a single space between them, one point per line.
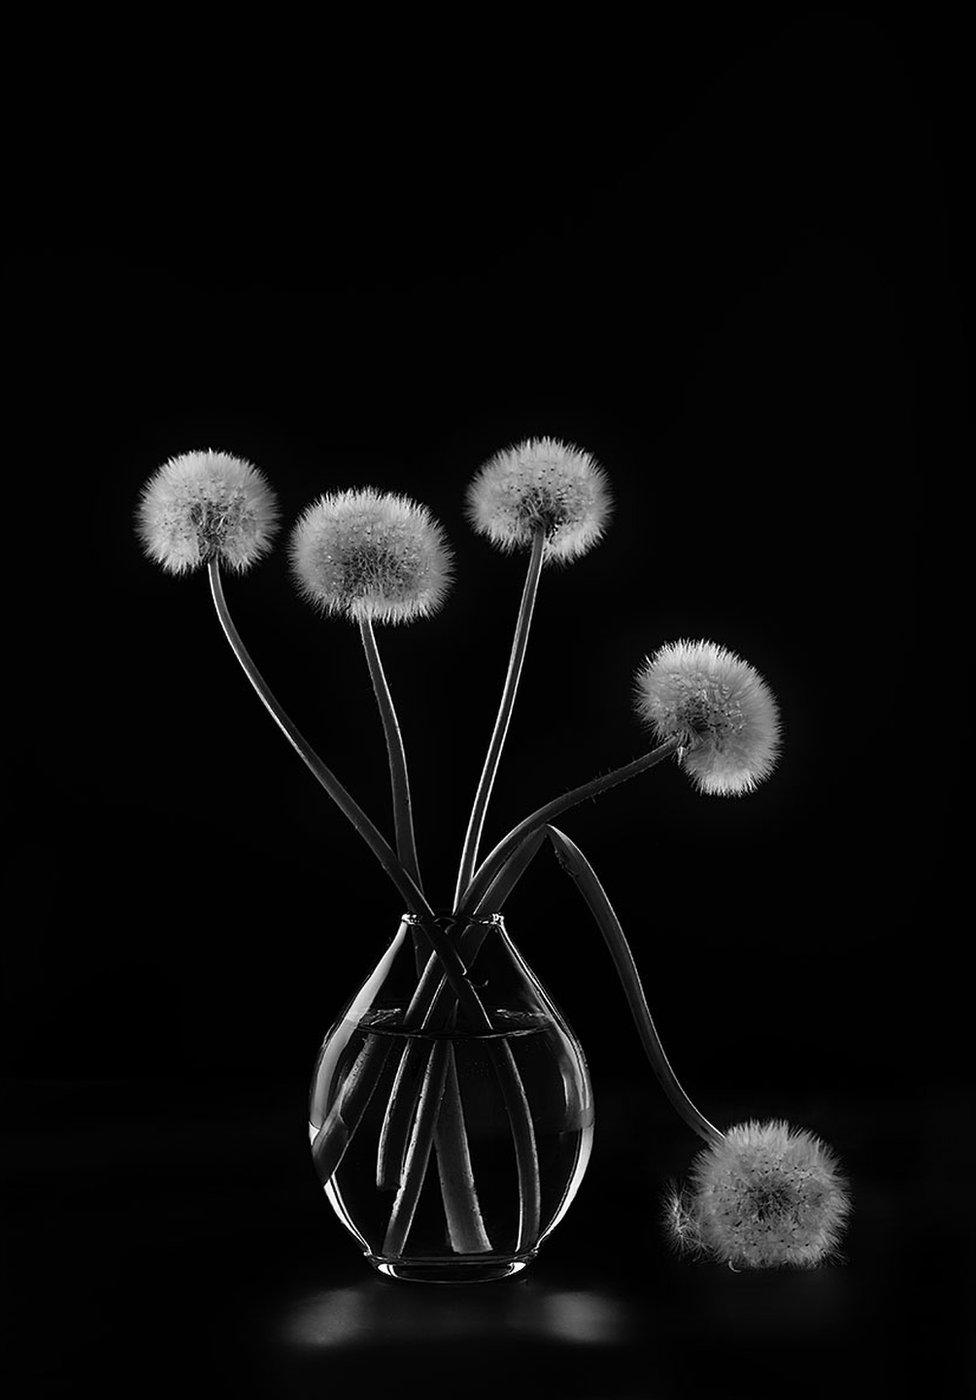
pixel 450 1148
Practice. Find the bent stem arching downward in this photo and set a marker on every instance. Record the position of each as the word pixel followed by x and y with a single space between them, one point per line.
pixel 489 869
pixel 581 872
pixel 433 999
pixel 523 624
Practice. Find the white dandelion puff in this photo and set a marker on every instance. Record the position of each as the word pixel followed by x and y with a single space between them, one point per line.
pixel 541 484
pixel 767 1196
pixel 370 555
pixel 718 706
pixel 206 505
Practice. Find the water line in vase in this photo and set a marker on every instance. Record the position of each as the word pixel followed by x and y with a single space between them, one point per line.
pixel 432 998
pixel 343 1120
pixel 432 1002
pixel 507 1071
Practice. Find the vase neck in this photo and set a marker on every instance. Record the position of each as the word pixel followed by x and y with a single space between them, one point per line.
pixel 495 969
pixel 446 920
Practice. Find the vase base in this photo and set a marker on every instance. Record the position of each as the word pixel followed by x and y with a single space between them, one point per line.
pixel 470 1270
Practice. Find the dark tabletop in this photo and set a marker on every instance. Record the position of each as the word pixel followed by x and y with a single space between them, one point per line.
pixel 175 1238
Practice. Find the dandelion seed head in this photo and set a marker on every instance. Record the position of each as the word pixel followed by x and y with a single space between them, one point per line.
pixel 366 554
pixel 719 707
pixel 206 505
pixel 541 484
pixel 767 1196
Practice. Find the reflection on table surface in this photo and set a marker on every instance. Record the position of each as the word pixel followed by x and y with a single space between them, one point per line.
pixel 372 1311
pixel 199 1257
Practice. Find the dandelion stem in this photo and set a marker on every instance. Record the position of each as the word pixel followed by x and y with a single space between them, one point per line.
pixel 431 1007
pixel 430 998
pixel 415 1166
pixel 399 779
pixel 407 887
pixel 472 840
pixel 346 803
pixel 581 872
pixel 337 1131
pixel 462 1211
pixel 490 867
pixel 465 1224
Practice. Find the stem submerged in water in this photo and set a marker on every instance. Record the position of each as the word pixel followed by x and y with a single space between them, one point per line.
pixel 465 1226
pixel 430 1007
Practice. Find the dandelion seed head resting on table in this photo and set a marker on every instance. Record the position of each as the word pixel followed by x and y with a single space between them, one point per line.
pixel 206 505
pixel 541 484
pixel 369 555
pixel 768 1195
pixel 719 706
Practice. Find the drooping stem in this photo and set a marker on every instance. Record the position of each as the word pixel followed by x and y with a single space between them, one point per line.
pixel 494 898
pixel 581 872
pixel 472 840
pixel 491 866
pixel 407 887
pixel 399 779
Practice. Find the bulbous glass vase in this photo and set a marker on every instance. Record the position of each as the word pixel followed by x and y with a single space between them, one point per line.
pixel 450 1145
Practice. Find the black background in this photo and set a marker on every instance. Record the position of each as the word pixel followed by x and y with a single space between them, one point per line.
pixel 727 259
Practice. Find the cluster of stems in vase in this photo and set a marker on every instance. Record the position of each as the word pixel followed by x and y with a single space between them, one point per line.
pixel 379 558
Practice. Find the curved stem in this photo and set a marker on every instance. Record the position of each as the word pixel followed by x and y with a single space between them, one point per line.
pixel 462 1211
pixel 338 1129
pixel 493 900
pixel 581 872
pixel 346 803
pixel 418 1154
pixel 350 808
pixel 431 1007
pixel 469 855
pixel 422 1010
pixel 489 869
pixel 406 843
